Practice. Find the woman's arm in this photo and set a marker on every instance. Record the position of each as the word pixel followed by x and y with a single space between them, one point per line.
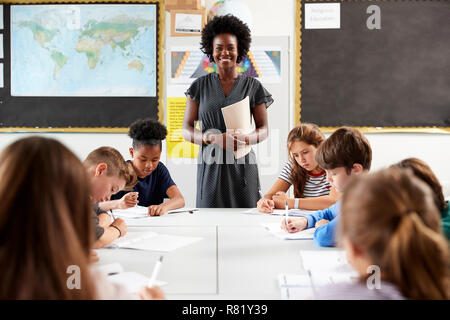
pixel 261 127
pixel 190 133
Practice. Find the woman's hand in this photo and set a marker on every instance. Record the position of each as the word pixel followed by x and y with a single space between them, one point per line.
pixel 227 141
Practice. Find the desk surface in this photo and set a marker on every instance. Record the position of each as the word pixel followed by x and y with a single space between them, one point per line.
pixel 237 258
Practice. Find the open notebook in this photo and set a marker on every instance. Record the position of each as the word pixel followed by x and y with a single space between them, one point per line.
pixel 275 229
pixel 282 212
pixel 138 212
pixel 153 241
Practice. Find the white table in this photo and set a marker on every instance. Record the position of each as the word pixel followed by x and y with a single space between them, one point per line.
pixel 237 258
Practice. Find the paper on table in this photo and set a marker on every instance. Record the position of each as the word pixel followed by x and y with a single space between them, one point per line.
pixel 133 281
pixel 281 212
pixel 153 241
pixel 138 212
pixel 275 229
pixel 237 117
pixel 110 268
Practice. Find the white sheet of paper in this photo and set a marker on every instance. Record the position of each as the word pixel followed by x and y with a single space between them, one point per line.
pixel 275 229
pixel 139 212
pixel 322 15
pixel 110 268
pixel 1 75
pixel 133 281
pixel 237 117
pixel 153 241
pixel 188 23
pixel 1 16
pixel 281 212
pixel 1 46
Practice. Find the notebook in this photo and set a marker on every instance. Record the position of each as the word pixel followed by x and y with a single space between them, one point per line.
pixel 153 241
pixel 275 229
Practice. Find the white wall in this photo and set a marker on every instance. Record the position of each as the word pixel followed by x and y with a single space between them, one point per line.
pixel 276 18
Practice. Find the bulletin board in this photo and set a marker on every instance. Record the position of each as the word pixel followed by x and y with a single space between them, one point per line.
pixel 81 66
pixel 382 69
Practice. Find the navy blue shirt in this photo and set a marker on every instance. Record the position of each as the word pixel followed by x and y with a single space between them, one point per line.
pixel 152 189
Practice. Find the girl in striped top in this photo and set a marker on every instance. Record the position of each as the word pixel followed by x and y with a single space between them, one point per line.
pixel 311 189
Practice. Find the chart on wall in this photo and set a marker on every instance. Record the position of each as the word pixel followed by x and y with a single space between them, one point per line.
pixel 190 63
pixel 83 50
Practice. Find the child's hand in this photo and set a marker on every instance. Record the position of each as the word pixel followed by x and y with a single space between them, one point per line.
pixel 280 199
pixel 157 210
pixel 120 223
pixel 128 200
pixel 294 224
pixel 153 293
pixel 321 222
pixel 265 206
pixel 93 257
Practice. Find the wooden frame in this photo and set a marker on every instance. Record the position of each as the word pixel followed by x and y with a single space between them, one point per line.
pixel 160 12
pixel 298 88
pixel 183 4
pixel 173 14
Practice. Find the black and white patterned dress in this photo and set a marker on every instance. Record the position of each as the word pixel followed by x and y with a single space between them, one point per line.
pixel 222 180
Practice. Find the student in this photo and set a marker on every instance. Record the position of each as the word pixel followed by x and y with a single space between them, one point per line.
pixel 389 220
pixel 346 153
pixel 424 172
pixel 109 174
pixel 311 188
pixel 46 225
pixel 154 181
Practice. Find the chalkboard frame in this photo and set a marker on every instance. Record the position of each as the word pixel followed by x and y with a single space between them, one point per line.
pixel 157 102
pixel 298 79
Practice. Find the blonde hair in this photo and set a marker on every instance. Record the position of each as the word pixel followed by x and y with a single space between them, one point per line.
pixel 310 134
pixel 117 166
pixel 392 216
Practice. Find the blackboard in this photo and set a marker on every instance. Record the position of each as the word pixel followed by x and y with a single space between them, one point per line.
pixel 396 76
pixel 100 113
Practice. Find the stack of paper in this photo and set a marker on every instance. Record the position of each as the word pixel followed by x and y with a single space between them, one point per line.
pixel 153 241
pixel 282 212
pixel 275 229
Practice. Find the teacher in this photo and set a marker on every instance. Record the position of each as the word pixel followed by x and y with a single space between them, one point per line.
pixel 222 180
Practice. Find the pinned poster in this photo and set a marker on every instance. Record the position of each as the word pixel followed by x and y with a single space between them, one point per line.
pixel 1 17
pixel 322 15
pixel 1 47
pixel 177 147
pixel 1 75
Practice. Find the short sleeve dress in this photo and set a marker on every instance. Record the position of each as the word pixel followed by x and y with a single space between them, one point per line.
pixel 222 180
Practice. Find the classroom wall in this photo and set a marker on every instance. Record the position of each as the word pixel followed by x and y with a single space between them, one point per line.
pixel 276 18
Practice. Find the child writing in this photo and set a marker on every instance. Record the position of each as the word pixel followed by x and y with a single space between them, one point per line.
pixel 46 225
pixel 109 174
pixel 311 189
pixel 154 181
pixel 345 154
pixel 422 171
pixel 389 220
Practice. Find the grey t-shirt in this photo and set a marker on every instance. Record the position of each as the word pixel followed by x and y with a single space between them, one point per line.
pixel 97 229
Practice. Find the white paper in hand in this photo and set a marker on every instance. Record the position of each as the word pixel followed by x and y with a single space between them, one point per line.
pixel 237 117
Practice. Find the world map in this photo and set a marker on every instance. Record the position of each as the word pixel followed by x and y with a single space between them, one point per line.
pixel 83 50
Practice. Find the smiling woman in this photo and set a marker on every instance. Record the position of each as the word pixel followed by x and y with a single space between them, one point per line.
pixel 222 180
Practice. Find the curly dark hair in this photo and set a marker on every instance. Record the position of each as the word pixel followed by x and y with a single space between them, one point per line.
pixel 147 132
pixel 226 24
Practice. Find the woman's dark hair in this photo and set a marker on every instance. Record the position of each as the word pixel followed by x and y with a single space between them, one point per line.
pixel 147 132
pixel 226 24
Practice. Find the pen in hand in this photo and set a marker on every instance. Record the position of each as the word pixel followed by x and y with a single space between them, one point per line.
pixel 264 200
pixel 286 212
pixel 158 264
